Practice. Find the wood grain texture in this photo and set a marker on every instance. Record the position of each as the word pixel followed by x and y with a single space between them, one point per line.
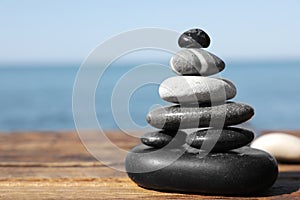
pixel 57 166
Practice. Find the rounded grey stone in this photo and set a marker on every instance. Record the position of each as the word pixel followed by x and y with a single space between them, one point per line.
pixel 240 171
pixel 225 139
pixel 193 89
pixel 159 139
pixel 196 62
pixel 191 116
pixel 194 38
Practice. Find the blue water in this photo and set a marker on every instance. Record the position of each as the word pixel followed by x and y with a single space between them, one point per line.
pixel 40 97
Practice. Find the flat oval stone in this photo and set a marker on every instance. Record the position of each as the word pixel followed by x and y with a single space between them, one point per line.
pixel 193 89
pixel 196 62
pixel 161 138
pixel 181 117
pixel 284 147
pixel 240 171
pixel 224 139
pixel 194 38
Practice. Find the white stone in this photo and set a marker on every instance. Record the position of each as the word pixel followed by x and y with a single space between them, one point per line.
pixel 192 89
pixel 282 146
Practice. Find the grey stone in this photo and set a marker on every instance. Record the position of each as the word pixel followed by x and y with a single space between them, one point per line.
pixel 162 138
pixel 196 62
pixel 192 89
pixel 224 139
pixel 194 38
pixel 240 171
pixel 193 116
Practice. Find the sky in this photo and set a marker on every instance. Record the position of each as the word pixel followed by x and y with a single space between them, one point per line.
pixel 66 31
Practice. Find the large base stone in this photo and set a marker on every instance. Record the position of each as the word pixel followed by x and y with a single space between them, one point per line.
pixel 240 171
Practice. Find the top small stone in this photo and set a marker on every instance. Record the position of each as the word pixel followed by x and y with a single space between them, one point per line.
pixel 194 38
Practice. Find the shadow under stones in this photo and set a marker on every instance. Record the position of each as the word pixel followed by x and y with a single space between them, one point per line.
pixel 286 183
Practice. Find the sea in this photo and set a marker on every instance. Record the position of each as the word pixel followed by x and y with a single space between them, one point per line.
pixel 38 97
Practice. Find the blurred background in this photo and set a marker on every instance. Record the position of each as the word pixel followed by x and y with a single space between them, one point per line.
pixel 43 43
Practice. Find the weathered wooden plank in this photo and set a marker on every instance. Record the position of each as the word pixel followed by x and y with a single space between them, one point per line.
pixel 58 172
pixel 53 147
pixel 56 165
pixel 117 188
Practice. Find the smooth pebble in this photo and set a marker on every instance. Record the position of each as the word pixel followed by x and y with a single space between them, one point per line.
pixel 196 62
pixel 282 146
pixel 192 89
pixel 159 139
pixel 240 171
pixel 194 38
pixel 220 140
pixel 182 117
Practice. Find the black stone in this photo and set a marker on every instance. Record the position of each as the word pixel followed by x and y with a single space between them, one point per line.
pixel 241 171
pixel 227 139
pixel 194 38
pixel 191 116
pixel 161 138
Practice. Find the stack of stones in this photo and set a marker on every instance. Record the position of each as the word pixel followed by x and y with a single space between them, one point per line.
pixel 214 159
